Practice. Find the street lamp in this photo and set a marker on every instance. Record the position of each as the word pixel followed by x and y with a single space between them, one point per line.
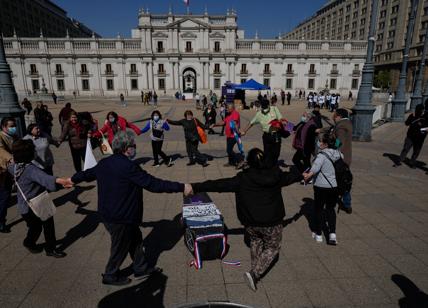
pixel 400 101
pixel 9 106
pixel 417 93
pixel 362 113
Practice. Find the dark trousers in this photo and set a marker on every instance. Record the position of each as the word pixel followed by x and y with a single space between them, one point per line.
pixel 5 192
pixel 301 160
pixel 35 226
pixel 325 200
pixel 408 144
pixel 157 151
pixel 125 239
pixel 193 152
pixel 272 148
pixel 265 243
pixel 283 100
pixel 288 101
pixel 78 156
pixel 233 157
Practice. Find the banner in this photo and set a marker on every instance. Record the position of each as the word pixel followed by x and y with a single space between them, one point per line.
pixel 90 160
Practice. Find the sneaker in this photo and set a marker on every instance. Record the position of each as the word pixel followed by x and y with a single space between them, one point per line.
pixel 148 273
pixel 316 237
pixel 34 248
pixel 56 253
pixel 170 162
pixel 332 239
pixel 251 281
pixel 116 281
pixel 156 165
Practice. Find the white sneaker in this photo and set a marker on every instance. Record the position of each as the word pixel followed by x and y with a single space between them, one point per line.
pixel 332 239
pixel 251 281
pixel 316 237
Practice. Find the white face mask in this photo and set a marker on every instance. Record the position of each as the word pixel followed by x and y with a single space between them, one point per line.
pixel 156 118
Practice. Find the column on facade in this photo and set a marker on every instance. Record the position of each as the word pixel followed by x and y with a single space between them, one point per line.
pixel 73 72
pixel 99 77
pixel 203 75
pixel 123 75
pixel 172 75
pixel 234 72
pixel 24 76
pixel 228 70
pixel 146 72
pixel 152 75
pixel 179 81
pixel 207 75
pixel 49 75
pixel 170 40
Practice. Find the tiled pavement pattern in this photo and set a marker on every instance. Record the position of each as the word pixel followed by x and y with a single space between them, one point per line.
pixel 385 236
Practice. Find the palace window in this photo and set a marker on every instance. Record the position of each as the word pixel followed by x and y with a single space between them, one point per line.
pixel 243 80
pixel 160 46
pixel 289 68
pixel 110 84
pixel 133 68
pixel 217 46
pixel 267 68
pixel 333 83
pixel 216 68
pixel 161 68
pixel 289 83
pixel 266 82
pixel 311 83
pixel 60 84
pixel 217 83
pixel 312 68
pixel 354 84
pixel 83 69
pixel 33 69
pixel 85 84
pixel 189 47
pixel 35 84
pixel 134 84
pixel 243 68
pixel 58 69
pixel 161 83
pixel 108 69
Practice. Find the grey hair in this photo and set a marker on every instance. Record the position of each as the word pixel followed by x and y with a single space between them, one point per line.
pixel 122 141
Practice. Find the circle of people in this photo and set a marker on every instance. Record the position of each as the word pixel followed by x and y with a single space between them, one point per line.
pixel 28 162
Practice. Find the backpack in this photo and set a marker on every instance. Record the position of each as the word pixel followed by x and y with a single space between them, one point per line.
pixel 343 175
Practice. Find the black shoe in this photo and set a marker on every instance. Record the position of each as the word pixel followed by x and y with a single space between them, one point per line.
pixel 4 228
pixel 56 253
pixel 116 281
pixel 34 248
pixel 347 210
pixel 148 273
pixel 191 163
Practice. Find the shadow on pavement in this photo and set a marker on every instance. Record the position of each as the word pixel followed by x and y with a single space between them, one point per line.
pixel 72 196
pixel 164 236
pixel 396 160
pixel 413 296
pixel 88 225
pixel 149 293
pixel 306 210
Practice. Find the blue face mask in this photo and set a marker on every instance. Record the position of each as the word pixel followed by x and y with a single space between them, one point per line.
pixel 11 131
pixel 155 118
pixel 303 119
pixel 111 120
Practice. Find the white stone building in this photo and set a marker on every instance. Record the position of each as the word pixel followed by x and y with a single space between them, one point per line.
pixel 170 53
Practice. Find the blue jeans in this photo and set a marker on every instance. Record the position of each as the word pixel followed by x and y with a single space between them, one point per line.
pixel 347 199
pixel 234 158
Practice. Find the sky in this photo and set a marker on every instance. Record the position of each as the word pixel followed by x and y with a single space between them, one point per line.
pixel 268 17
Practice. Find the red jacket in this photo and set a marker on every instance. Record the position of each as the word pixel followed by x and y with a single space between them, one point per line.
pixel 122 124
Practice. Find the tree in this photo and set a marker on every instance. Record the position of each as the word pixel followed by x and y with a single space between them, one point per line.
pixel 382 79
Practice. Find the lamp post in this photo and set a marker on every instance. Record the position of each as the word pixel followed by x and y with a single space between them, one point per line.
pixel 362 113
pixel 400 101
pixel 417 93
pixel 9 106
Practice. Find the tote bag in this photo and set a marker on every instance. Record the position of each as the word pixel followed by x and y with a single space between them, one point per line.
pixel 105 146
pixel 201 133
pixel 90 160
pixel 41 205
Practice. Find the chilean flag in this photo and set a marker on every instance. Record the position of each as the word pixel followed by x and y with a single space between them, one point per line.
pixel 187 2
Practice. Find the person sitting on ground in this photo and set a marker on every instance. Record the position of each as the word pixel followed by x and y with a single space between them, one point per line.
pixel 157 126
pixel 192 137
pixel 114 124
pixel 31 182
pixel 325 188
pixel 260 208
pixel 120 184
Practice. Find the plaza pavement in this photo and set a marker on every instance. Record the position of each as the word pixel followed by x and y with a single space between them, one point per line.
pixel 381 259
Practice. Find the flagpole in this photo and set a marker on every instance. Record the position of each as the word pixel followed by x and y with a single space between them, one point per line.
pixel 188 10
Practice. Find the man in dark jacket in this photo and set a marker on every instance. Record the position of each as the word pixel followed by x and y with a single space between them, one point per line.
pixel 120 204
pixel 259 206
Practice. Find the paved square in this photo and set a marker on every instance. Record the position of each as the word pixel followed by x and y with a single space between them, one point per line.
pixel 383 241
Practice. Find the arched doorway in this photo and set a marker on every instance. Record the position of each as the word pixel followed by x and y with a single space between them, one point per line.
pixel 189 81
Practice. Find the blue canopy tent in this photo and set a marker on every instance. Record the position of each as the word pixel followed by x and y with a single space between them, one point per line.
pixel 250 85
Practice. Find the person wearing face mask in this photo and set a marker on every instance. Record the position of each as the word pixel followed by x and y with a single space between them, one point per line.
pixel 210 118
pixel 44 157
pixel 271 137
pixel 7 136
pixel 114 124
pixel 325 188
pixel 77 136
pixel 303 142
pixel 191 135
pixel 157 126
pixel 120 184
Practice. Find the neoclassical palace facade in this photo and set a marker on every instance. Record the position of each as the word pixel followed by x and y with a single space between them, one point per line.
pixel 187 53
